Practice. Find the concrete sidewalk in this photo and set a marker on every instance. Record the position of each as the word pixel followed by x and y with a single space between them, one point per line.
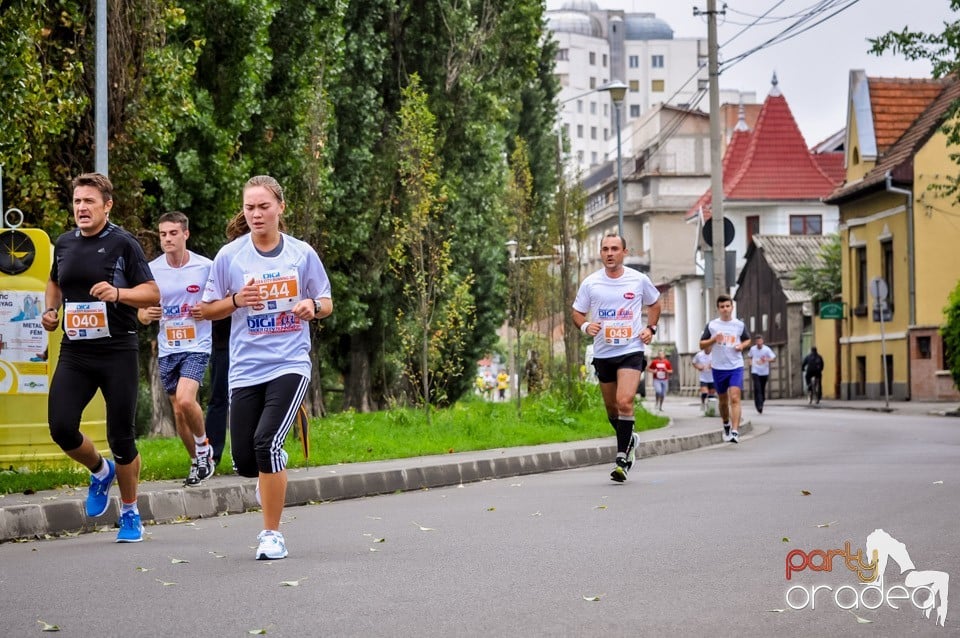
pixel 62 511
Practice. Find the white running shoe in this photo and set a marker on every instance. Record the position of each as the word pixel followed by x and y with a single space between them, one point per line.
pixel 632 450
pixel 271 545
pixel 734 436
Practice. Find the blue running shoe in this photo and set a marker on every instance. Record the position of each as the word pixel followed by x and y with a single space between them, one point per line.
pixel 131 530
pixel 98 496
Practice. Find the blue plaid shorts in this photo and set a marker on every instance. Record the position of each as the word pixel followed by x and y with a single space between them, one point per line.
pixel 191 365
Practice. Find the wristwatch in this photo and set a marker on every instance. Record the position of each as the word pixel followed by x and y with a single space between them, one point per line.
pixel 316 308
pixel 652 329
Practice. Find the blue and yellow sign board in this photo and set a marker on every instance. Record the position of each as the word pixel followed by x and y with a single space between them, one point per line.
pixel 28 354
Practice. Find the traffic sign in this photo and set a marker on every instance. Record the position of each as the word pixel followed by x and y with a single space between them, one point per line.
pixel 831 310
pixel 884 307
pixel 879 289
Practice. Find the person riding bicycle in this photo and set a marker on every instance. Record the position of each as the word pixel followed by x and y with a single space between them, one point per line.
pixel 812 368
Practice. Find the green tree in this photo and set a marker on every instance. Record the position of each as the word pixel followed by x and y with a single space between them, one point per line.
pixel 943 51
pixel 822 278
pixel 44 100
pixel 951 334
pixel 365 100
pixel 475 60
pixel 437 313
pixel 523 235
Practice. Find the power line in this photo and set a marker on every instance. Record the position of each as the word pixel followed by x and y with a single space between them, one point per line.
pixel 794 29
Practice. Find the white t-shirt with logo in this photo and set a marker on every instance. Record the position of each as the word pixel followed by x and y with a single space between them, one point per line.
pixel 268 341
pixel 617 305
pixel 704 359
pixel 180 290
pixel 725 357
pixel 756 354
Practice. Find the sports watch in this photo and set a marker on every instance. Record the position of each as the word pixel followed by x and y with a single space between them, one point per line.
pixel 652 329
pixel 316 308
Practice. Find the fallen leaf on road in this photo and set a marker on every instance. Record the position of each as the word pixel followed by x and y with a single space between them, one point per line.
pixel 806 492
pixel 424 529
pixel 491 509
pixel 379 540
pixel 374 549
pixel 291 583
pixel 862 621
pixel 217 555
pixel 776 611
pixel 177 561
pixel 257 632
pixel 600 507
pixel 536 514
pixel 45 626
pixel 784 540
pixel 144 569
pixel 826 524
pixel 164 583
pixel 592 599
pixel 938 482
pixel 375 518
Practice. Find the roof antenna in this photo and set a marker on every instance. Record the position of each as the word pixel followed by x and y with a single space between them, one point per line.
pixel 775 91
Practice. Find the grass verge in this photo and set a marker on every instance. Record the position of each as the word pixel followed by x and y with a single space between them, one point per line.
pixel 351 437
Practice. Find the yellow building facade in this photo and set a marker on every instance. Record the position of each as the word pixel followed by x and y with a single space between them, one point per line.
pixel 896 226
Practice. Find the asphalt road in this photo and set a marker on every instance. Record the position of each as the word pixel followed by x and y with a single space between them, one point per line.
pixel 692 545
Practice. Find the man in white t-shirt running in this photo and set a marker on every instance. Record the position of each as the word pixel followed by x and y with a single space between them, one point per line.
pixel 760 356
pixel 614 298
pixel 184 338
pixel 725 339
pixel 702 361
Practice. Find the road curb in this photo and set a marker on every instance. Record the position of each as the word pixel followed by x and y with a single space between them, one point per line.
pixel 37 520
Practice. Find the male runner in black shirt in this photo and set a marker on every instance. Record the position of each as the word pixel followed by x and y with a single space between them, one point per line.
pixel 100 277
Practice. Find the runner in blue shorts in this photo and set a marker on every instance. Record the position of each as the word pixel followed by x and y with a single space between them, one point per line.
pixel 725 339
pixel 184 338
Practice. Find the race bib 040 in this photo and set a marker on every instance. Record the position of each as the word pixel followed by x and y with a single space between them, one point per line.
pixel 85 320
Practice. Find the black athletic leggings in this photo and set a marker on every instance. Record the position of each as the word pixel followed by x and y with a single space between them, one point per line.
pixel 79 374
pixel 260 418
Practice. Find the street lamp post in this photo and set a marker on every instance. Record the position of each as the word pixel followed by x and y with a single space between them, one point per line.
pixel 518 292
pixel 617 91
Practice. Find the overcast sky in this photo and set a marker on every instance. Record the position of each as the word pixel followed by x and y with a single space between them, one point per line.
pixel 813 67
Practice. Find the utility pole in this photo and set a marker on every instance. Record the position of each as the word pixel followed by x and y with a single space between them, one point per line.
pixel 716 159
pixel 100 91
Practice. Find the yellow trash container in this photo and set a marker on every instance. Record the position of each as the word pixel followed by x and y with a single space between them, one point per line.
pixel 28 355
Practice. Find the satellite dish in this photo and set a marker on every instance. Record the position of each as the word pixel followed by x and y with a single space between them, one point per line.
pixel 729 232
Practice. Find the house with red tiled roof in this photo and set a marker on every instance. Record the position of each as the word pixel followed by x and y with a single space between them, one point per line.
pixel 772 184
pixel 879 110
pixel 898 227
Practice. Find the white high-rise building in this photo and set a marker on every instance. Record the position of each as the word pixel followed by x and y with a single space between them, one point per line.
pixel 596 46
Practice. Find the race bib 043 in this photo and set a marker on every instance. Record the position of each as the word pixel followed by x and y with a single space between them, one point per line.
pixel 617 333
